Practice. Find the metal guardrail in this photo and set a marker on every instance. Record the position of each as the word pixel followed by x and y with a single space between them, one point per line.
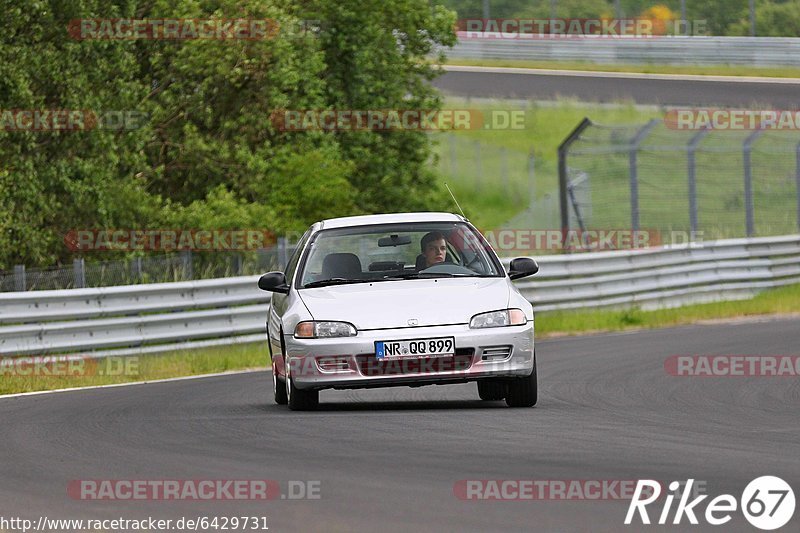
pixel 674 50
pixel 161 317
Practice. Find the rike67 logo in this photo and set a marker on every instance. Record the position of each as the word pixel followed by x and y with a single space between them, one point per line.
pixel 767 503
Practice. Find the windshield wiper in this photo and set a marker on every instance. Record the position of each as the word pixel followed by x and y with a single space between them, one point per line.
pixel 332 281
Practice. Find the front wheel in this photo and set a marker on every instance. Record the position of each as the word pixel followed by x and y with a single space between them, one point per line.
pixel 523 392
pixel 298 399
pixel 278 388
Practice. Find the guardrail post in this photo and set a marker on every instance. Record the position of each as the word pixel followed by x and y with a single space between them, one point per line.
pixel 20 283
pixel 79 273
pixel 747 149
pixel 633 165
pixel 692 168
pixel 563 149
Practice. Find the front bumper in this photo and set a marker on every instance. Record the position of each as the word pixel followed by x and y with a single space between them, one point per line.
pixel 350 362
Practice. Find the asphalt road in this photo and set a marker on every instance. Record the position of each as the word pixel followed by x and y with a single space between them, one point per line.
pixel 597 87
pixel 388 459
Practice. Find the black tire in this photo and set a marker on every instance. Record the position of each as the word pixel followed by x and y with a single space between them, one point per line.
pixel 491 390
pixel 279 389
pixel 298 399
pixel 523 392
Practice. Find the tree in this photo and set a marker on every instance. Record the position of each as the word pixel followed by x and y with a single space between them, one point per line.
pixel 209 154
pixel 376 57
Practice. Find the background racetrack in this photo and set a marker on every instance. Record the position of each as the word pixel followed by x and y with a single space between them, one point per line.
pixel 691 91
pixel 388 459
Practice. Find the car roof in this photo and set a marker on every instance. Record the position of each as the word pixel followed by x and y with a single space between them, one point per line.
pixel 390 218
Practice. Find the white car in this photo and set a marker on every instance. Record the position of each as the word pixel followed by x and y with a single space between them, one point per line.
pixel 405 299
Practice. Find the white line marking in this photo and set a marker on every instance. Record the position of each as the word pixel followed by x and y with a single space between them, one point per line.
pixel 621 75
pixel 114 385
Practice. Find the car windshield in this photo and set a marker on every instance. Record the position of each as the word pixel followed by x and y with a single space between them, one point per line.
pixel 394 252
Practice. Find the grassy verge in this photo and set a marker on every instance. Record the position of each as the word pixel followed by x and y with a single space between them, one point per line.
pixel 141 368
pixel 784 300
pixel 721 70
pixel 236 357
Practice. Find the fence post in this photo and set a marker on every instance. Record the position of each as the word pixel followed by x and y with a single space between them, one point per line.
pixel 504 167
pixel 478 165
pixel 186 262
pixel 79 273
pixel 691 150
pixel 236 259
pixel 136 269
pixel 633 164
pixel 20 283
pixel 562 171
pixel 282 258
pixel 453 163
pixel 797 183
pixel 532 178
pixel 747 151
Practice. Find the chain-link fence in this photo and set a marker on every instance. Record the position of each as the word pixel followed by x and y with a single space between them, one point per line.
pixel 163 268
pixel 711 184
pixel 487 169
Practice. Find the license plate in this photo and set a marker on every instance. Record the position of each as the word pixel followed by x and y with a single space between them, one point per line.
pixel 438 347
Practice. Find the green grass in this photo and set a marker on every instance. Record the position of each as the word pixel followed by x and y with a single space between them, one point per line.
pixel 488 171
pixel 491 201
pixel 699 70
pixel 147 368
pixel 783 300
pixel 551 324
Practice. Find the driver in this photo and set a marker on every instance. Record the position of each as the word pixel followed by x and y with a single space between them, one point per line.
pixel 434 248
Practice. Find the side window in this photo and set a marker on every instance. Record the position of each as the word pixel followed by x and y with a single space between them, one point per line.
pixel 291 266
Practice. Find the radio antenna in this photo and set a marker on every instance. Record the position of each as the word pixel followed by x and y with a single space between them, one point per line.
pixel 453 196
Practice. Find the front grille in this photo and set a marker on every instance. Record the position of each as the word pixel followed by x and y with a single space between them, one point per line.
pixel 369 365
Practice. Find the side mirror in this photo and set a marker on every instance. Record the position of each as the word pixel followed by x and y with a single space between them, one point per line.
pixel 273 282
pixel 522 267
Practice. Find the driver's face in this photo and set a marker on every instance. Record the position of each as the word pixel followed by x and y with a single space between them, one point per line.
pixel 435 252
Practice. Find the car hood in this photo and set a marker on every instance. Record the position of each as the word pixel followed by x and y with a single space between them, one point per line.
pixel 392 304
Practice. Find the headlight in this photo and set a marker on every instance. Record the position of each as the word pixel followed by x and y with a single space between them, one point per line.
pixel 315 329
pixel 496 319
